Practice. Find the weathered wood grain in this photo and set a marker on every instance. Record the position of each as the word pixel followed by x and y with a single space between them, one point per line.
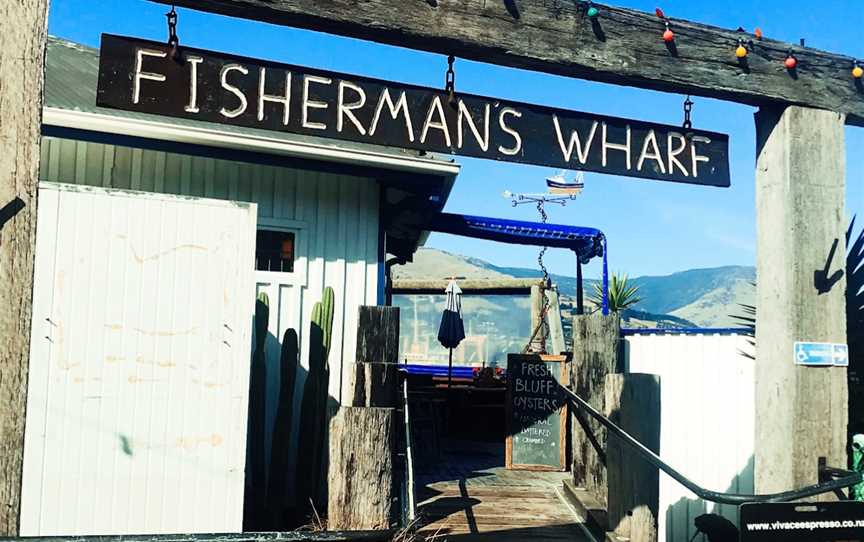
pixel 595 355
pixel 556 328
pixel 633 403
pixel 468 286
pixel 622 46
pixel 374 380
pixel 538 339
pixel 376 385
pixel 360 479
pixel 22 54
pixel 378 335
pixel 270 536
pixel 801 412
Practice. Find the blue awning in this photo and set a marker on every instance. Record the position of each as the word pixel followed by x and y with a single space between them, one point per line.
pixel 587 243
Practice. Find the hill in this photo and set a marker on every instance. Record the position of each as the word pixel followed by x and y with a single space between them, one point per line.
pixel 701 297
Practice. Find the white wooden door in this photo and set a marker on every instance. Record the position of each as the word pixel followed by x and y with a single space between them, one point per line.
pixel 285 292
pixel 139 369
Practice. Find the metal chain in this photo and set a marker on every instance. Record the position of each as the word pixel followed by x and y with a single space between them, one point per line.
pixel 688 107
pixel 543 325
pixel 173 40
pixel 450 80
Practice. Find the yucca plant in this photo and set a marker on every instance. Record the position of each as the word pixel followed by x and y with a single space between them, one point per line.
pixel 855 325
pixel 855 289
pixel 621 294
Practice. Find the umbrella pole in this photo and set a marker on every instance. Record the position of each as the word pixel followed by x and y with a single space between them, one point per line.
pixel 450 369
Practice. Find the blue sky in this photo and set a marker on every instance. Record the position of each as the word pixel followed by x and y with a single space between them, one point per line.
pixel 652 227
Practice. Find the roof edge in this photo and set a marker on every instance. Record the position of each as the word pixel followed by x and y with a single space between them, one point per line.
pixel 163 131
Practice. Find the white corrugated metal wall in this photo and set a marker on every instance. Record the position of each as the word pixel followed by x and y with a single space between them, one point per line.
pixel 707 391
pixel 139 368
pixel 334 216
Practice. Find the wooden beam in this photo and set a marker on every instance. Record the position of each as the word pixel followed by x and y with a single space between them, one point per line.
pixel 22 53
pixel 621 46
pixel 468 286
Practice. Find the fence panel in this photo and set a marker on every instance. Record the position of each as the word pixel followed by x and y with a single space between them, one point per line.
pixel 707 418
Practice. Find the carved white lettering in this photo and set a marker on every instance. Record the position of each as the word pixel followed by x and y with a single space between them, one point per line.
pixel 483 140
pixel 139 74
pixel 313 104
pixel 673 152
pixel 625 147
pixel 698 157
pixel 575 141
pixel 513 133
pixel 651 139
pixel 274 98
pixel 400 106
pixel 345 110
pixel 223 77
pixel 192 106
pixel 441 124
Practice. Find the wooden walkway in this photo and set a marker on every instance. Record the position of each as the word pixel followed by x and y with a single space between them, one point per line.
pixel 470 497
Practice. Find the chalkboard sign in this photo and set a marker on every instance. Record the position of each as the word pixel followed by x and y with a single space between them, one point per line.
pixel 536 412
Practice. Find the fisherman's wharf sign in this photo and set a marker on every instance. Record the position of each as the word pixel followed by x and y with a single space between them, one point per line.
pixel 142 76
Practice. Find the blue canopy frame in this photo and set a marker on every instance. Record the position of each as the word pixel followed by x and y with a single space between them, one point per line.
pixel 587 243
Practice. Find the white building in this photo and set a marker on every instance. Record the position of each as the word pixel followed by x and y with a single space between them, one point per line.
pixel 154 237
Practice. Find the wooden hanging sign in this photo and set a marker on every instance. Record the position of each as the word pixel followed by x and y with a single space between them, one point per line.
pixel 138 75
pixel 536 412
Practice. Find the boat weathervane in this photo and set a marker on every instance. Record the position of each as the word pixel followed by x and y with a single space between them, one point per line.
pixel 558 190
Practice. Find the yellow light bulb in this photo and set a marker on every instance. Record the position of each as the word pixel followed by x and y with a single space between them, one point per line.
pixel 857 72
pixel 741 51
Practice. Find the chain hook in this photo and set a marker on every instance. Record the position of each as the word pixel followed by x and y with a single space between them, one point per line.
pixel 450 81
pixel 173 40
pixel 688 107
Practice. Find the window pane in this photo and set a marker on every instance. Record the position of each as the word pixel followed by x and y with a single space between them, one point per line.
pixel 495 325
pixel 274 251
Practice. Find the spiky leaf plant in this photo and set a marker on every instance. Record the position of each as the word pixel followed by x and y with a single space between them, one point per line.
pixel 622 295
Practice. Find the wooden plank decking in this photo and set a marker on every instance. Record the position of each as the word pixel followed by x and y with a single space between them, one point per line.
pixel 468 498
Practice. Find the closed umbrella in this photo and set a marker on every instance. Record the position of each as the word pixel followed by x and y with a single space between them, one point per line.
pixel 452 330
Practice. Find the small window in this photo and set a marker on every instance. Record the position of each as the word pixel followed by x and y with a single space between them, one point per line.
pixel 274 251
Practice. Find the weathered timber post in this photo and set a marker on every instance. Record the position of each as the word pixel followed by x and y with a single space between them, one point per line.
pixel 376 382
pixel 362 436
pixel 633 403
pixel 538 342
pixel 22 56
pixel 800 180
pixel 556 330
pixel 595 355
pixel 361 468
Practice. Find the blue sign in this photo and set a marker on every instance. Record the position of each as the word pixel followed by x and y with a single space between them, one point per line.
pixel 821 354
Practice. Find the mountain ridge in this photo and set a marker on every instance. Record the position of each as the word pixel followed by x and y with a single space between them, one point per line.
pixel 706 297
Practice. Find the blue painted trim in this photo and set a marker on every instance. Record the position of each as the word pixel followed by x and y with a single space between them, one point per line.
pixel 437 370
pixel 687 331
pixel 381 294
pixel 605 277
